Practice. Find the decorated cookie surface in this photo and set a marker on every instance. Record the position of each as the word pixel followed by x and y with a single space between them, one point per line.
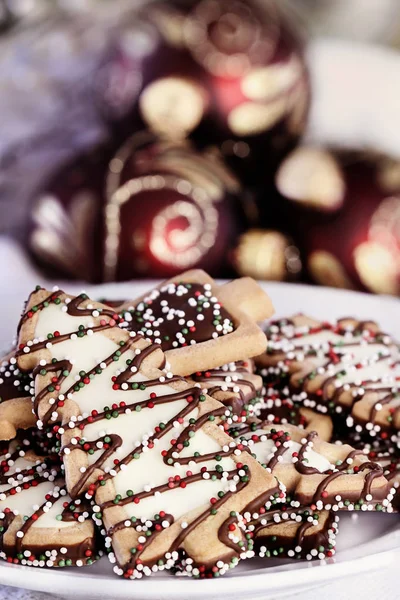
pixel 347 368
pixel 233 384
pixel 299 533
pixel 180 314
pixel 316 473
pixel 199 324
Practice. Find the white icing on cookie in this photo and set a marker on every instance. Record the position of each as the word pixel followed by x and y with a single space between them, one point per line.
pixel 25 502
pixel 265 450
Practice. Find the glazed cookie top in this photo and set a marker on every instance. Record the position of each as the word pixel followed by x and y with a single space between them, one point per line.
pixel 40 525
pixel 275 446
pixel 300 338
pixel 308 467
pixel 180 314
pixel 199 323
pixel 349 367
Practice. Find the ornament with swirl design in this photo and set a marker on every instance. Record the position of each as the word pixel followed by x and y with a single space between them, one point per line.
pixel 153 208
pixel 168 209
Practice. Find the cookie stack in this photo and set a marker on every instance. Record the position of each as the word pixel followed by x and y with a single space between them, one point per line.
pixel 149 423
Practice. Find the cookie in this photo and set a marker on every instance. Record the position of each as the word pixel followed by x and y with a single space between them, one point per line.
pixel 16 391
pixel 279 409
pixel 299 533
pixel 347 368
pixel 234 385
pixel 199 324
pixel 316 473
pixel 169 485
pixel 40 525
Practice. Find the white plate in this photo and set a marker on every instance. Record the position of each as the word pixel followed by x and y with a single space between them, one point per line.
pixel 366 542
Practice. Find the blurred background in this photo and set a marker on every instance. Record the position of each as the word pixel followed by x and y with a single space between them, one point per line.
pixel 247 137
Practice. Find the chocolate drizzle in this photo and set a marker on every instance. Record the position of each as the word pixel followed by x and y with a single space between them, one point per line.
pixel 66 515
pixel 300 465
pixel 28 314
pixel 73 309
pixel 229 380
pixel 282 442
pixel 15 482
pixel 300 542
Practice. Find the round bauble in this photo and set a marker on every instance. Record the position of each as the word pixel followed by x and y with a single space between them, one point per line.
pixel 168 209
pixel 347 209
pixel 152 208
pixel 229 73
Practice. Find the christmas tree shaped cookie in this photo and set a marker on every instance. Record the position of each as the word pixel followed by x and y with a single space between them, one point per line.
pixel 40 525
pixel 170 486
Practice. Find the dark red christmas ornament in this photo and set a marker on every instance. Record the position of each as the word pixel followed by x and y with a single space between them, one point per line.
pixel 347 210
pixel 168 208
pixel 66 226
pixel 151 209
pixel 229 73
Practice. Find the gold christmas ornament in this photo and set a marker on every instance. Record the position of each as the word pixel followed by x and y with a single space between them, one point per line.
pixel 267 255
